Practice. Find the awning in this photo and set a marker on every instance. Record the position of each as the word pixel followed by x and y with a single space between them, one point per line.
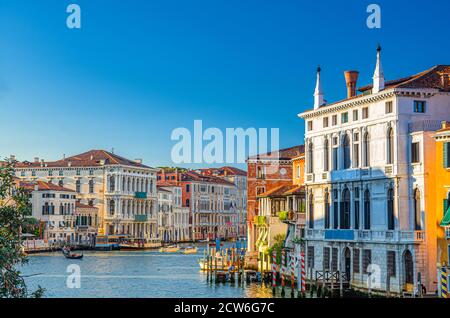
pixel 446 220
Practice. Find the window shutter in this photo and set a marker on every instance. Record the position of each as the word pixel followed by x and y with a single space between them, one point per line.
pixel 445 205
pixel 445 155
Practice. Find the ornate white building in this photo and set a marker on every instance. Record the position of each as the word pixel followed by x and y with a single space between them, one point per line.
pixel 365 182
pixel 123 190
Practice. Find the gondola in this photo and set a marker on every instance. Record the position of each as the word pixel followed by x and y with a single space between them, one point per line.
pixel 68 254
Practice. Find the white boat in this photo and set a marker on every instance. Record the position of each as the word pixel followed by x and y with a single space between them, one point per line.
pixel 169 249
pixel 190 250
pixel 219 267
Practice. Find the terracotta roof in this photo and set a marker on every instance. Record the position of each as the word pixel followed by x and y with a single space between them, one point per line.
pixel 426 79
pixel 194 176
pixel 42 186
pixel 160 188
pixel 283 154
pixel 223 171
pixel 90 158
pixel 295 190
pixel 79 205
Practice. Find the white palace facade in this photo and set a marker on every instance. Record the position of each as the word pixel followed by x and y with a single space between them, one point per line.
pixel 123 190
pixel 365 184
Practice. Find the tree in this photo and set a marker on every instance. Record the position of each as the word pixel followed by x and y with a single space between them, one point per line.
pixel 14 211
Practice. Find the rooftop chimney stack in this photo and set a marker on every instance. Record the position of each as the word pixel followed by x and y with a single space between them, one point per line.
pixel 445 80
pixel 36 159
pixel 318 93
pixel 12 157
pixel 351 78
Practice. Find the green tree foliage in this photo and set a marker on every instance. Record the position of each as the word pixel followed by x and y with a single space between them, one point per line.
pixel 277 246
pixel 14 215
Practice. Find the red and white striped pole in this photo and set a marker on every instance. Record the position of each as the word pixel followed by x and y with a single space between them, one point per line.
pixel 302 259
pixel 292 255
pixel 274 271
pixel 283 260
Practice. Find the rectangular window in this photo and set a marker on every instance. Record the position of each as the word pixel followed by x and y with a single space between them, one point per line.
pixel 334 120
pixel 388 107
pixel 365 113
pixel 419 106
pixel 310 125
pixel 344 118
pixel 391 263
pixel 325 122
pixel 446 154
pixel 367 260
pixel 326 258
pixel 355 115
pixel 415 157
pixel 188 188
pixel 356 266
pixel 310 256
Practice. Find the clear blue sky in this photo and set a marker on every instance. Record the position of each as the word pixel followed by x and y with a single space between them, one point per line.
pixel 138 69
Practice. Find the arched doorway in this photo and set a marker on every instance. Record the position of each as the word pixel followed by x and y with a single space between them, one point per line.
pixel 409 267
pixel 347 263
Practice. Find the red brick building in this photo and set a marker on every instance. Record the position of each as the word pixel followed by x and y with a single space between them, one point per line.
pixel 265 172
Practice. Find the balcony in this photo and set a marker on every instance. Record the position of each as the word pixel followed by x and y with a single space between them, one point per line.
pixel 366 236
pixel 141 218
pixel 140 195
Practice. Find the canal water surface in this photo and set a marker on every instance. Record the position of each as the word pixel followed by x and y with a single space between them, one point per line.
pixel 131 274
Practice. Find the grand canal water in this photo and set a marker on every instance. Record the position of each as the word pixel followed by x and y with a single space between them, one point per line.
pixel 131 274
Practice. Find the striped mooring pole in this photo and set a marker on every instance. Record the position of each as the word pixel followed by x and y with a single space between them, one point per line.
pixel 302 260
pixel 274 271
pixel 283 261
pixel 292 255
pixel 444 285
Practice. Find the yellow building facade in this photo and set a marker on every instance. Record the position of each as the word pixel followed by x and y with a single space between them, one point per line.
pixel 442 203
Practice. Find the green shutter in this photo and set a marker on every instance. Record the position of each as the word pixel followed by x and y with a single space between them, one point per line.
pixel 445 155
pixel 446 219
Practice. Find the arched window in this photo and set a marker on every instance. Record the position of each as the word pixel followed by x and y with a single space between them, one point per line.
pixel 91 186
pixel 311 211
pixel 417 211
pixel 390 209
pixel 366 150
pixel 356 208
pixel 346 151
pixel 112 207
pixel 335 153
pixel 327 210
pixel 326 155
pixel 335 209
pixel 112 184
pixel 366 210
pixel 345 209
pixel 390 146
pixel 310 158
pixel 78 185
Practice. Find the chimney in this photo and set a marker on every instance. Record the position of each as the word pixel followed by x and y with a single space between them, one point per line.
pixel 318 93
pixel 12 158
pixel 351 77
pixel 445 124
pixel 138 160
pixel 64 156
pixel 69 164
pixel 445 80
pixel 36 159
pixel 42 162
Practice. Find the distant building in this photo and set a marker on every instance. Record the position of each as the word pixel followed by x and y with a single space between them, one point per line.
pixel 266 172
pixel 123 190
pixel 239 178
pixel 55 207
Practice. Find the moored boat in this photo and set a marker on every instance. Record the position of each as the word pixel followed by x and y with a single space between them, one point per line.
pixel 216 265
pixel 190 250
pixel 169 249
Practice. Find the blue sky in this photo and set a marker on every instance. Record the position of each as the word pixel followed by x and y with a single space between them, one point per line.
pixel 139 69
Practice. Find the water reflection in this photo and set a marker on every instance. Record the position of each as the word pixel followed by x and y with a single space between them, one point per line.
pixel 132 274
